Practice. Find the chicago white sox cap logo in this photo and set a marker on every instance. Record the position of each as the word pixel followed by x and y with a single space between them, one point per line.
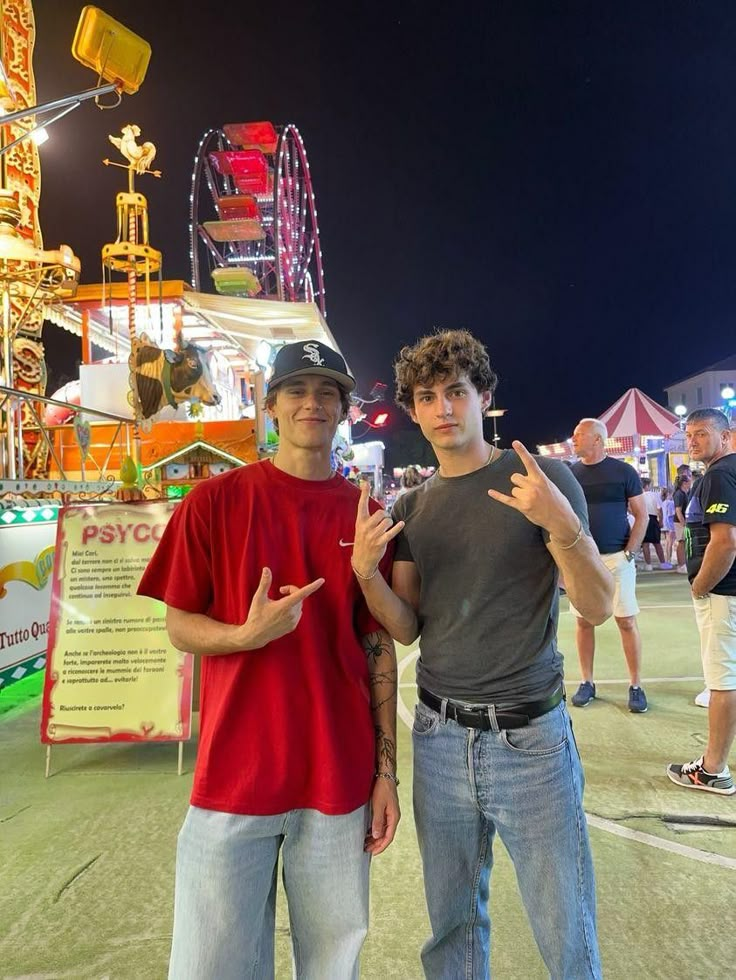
pixel 310 357
pixel 312 354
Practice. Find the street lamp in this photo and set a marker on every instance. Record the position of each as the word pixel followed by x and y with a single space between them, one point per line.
pixel 727 394
pixel 681 412
pixel 495 413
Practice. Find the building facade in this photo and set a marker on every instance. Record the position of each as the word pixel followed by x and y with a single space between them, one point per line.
pixel 703 390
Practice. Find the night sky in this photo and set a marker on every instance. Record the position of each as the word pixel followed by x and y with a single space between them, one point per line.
pixel 556 177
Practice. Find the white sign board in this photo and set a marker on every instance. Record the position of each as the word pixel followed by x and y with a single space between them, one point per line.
pixel 26 564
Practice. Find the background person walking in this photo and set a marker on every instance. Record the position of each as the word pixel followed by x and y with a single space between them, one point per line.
pixel 668 526
pixel 683 483
pixel 653 535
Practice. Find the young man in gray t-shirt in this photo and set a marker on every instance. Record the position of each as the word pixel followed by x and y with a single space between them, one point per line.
pixel 478 554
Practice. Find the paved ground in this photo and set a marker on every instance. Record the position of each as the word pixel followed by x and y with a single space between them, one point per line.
pixel 87 856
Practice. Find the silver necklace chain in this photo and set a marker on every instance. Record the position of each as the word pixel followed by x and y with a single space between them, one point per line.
pixel 487 462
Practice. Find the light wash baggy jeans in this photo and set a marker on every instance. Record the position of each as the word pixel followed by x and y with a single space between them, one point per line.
pixel 527 784
pixel 225 901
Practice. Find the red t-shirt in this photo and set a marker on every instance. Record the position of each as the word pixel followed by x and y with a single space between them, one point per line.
pixel 290 725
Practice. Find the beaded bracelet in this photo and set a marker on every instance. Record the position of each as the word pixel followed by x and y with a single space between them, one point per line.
pixel 578 536
pixel 387 775
pixel 365 578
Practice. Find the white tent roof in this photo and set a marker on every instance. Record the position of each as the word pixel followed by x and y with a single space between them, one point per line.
pixel 234 326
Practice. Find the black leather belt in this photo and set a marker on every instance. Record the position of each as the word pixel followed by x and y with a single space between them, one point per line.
pixel 478 717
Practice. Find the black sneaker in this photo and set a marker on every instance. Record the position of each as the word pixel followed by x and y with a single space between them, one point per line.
pixel 637 700
pixel 691 775
pixel 584 694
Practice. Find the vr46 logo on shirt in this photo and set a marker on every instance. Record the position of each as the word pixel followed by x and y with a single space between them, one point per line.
pixel 717 509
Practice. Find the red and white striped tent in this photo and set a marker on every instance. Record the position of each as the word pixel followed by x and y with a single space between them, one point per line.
pixel 636 414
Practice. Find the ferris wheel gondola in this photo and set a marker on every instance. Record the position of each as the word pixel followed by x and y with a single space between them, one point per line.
pixel 253 220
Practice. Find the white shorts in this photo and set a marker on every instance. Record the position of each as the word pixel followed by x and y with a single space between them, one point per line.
pixel 624 575
pixel 679 532
pixel 716 619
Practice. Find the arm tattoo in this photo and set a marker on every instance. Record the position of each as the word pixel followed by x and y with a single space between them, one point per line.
pixel 385 750
pixel 383 680
pixel 375 645
pixel 383 688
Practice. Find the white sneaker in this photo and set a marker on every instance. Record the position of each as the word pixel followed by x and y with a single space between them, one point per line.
pixel 665 566
pixel 682 570
pixel 703 699
pixel 648 568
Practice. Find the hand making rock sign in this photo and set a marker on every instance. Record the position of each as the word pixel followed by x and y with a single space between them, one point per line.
pixel 536 497
pixel 373 532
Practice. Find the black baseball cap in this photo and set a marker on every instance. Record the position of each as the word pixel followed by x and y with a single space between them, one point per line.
pixel 310 357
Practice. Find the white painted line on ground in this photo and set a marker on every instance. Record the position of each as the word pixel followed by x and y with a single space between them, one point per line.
pixel 653 680
pixel 404 712
pixel 671 605
pixel 705 857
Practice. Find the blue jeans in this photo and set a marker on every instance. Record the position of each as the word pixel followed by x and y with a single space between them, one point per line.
pixel 225 902
pixel 527 784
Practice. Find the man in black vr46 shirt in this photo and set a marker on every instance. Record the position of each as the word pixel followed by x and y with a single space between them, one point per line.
pixel 710 546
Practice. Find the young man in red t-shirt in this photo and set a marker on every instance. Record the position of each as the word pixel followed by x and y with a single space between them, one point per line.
pixel 297 746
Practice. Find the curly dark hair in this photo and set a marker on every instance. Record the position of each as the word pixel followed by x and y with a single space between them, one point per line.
pixel 441 355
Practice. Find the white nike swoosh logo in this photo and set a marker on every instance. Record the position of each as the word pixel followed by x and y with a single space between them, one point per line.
pixel 346 544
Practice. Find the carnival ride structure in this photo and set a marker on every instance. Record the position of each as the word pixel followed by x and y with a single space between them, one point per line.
pixel 253 218
pixel 32 279
pixel 255 240
pixel 227 331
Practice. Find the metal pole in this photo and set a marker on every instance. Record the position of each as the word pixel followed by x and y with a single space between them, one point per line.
pixel 259 395
pixel 58 103
pixel 8 379
pixel 38 126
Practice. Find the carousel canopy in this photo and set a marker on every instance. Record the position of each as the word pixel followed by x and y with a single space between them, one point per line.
pixel 636 414
pixel 231 324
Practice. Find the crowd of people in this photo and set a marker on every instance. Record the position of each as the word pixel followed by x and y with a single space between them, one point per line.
pixel 666 528
pixel 292 585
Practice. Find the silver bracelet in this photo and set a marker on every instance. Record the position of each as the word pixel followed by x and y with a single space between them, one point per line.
pixel 365 578
pixel 387 775
pixel 578 536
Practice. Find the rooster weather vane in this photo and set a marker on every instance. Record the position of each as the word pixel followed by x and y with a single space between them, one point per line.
pixel 139 157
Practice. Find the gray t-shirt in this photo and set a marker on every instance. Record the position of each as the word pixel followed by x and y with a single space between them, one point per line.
pixel 488 603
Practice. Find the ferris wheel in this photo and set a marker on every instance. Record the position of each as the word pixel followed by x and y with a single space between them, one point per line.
pixel 253 220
